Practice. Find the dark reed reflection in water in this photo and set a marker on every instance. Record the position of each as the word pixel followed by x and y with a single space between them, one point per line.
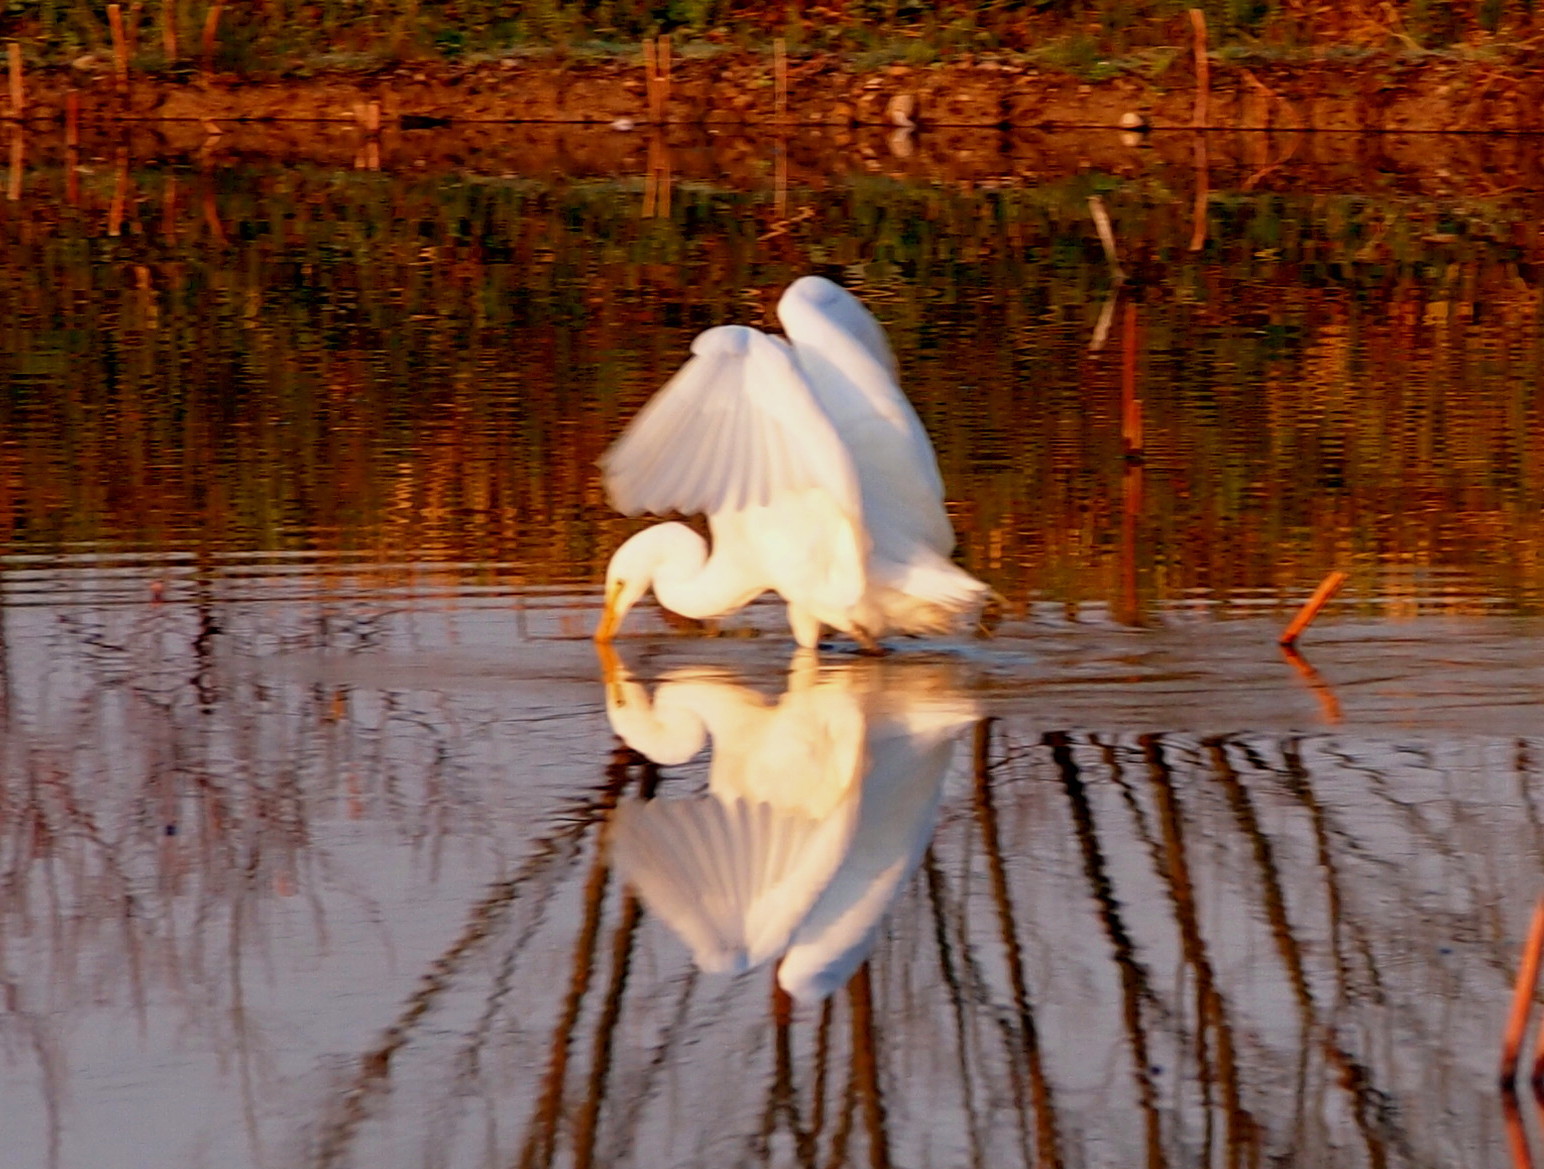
pixel 306 769
pixel 323 881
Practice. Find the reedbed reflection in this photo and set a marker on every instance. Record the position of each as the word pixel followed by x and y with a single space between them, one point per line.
pixel 820 803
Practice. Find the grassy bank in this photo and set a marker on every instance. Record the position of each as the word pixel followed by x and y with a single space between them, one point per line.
pixel 269 37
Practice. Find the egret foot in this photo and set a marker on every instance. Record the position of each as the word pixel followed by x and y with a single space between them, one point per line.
pixel 867 646
pixel 991 615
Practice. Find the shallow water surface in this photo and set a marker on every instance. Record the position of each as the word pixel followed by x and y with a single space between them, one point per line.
pixel 327 838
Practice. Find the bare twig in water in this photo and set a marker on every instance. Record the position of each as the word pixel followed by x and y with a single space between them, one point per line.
pixel 1198 118
pixel 1107 241
pixel 1106 234
pixel 1321 689
pixel 780 77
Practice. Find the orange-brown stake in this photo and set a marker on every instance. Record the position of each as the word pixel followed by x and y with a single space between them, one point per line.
pixel 1522 996
pixel 1321 597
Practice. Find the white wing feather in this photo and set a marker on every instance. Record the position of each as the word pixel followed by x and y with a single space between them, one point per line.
pixel 737 427
pixel 843 353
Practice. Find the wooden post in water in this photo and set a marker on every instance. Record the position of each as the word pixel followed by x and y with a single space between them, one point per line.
pixel 72 148
pixel 780 178
pixel 1130 403
pixel 169 210
pixel 1203 195
pixel 656 76
pixel 1200 118
pixel 369 116
pixel 648 74
pixel 169 29
pixel 780 78
pixel 18 160
pixel 18 94
pixel 664 75
pixel 211 29
pixel 120 47
pixel 120 196
pixel 212 214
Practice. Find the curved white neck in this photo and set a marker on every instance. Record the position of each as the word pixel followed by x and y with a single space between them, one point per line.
pixel 704 586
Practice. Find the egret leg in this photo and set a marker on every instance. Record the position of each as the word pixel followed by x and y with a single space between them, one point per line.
pixel 991 615
pixel 803 670
pixel 805 626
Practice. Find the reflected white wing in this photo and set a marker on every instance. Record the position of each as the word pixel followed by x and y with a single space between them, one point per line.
pixel 732 878
pixel 737 427
pixel 908 759
pixel 818 810
pixel 843 352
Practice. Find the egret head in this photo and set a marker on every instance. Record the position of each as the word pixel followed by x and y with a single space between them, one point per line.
pixel 635 565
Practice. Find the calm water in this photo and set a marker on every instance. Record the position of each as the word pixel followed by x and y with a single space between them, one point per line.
pixel 326 839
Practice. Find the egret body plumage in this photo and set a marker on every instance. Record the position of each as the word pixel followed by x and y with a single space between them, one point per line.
pixel 815 474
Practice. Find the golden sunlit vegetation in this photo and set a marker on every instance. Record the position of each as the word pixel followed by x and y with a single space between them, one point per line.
pixel 1090 37
pixel 425 369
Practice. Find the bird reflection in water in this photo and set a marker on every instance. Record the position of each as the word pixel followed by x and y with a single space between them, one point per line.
pixel 820 804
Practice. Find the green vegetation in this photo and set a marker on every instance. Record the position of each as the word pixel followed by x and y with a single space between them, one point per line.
pixel 1091 38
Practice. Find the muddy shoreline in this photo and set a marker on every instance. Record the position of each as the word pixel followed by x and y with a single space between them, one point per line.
pixel 1428 94
pixel 815 158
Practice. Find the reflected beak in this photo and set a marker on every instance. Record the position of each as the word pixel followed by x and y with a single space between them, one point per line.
pixel 610 618
pixel 613 675
pixel 611 668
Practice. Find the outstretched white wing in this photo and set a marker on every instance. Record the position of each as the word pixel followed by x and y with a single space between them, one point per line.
pixel 738 427
pixel 843 352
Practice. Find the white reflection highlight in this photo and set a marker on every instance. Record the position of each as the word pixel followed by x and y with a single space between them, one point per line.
pixel 820 804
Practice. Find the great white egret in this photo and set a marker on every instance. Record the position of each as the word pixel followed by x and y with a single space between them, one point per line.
pixel 820 804
pixel 816 476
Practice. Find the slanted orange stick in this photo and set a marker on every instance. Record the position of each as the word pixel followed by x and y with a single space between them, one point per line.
pixel 1321 689
pixel 1522 996
pixel 1516 1134
pixel 1321 596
